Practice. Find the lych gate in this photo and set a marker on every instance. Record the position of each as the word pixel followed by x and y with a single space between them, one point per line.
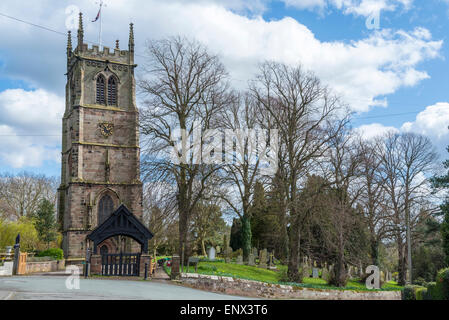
pixel 121 223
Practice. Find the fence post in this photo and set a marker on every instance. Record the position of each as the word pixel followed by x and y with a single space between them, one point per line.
pixel 146 271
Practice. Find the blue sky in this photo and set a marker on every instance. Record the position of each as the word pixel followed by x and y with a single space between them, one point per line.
pixel 402 63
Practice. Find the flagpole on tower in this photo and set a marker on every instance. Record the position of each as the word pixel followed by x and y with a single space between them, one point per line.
pixel 101 23
pixel 100 17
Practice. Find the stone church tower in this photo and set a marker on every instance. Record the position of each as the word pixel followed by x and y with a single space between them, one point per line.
pixel 100 141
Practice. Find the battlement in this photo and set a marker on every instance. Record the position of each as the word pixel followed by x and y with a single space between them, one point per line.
pixel 83 50
pixel 122 56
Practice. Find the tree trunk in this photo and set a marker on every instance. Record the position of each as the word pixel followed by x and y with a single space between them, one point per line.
pixel 374 252
pixel 401 262
pixel 246 237
pixel 293 259
pixel 203 247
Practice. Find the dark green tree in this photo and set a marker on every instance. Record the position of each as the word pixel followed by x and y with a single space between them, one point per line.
pixel 235 242
pixel 45 222
pixel 442 182
pixel 445 231
pixel 265 227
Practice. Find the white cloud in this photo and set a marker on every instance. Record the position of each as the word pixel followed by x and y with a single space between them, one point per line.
pixel 432 122
pixel 30 125
pixel 374 130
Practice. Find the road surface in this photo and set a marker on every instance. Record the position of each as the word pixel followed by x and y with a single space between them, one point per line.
pixel 54 288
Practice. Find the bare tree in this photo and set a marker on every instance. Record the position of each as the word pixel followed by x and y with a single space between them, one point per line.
pixel 407 160
pixel 159 208
pixel 373 197
pixel 304 112
pixel 342 162
pixel 243 149
pixel 184 88
pixel 21 194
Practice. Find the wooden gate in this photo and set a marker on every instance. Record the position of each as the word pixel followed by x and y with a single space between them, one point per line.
pixel 120 264
pixel 22 265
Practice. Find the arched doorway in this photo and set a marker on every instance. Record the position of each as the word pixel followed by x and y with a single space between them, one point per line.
pixel 124 224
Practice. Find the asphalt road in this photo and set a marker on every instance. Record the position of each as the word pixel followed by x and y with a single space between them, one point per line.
pixel 54 288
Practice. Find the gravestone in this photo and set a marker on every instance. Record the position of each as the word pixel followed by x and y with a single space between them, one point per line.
pixel 315 273
pixel 263 259
pixel 228 254
pixel 251 259
pixel 174 267
pixel 325 274
pixel 382 276
pixel 350 272
pixel 211 253
pixel 239 260
pixel 254 252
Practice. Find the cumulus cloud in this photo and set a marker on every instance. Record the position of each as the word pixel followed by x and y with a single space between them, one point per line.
pixel 432 122
pixel 30 127
pixel 374 130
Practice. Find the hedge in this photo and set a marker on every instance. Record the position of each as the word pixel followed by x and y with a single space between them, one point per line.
pixel 442 284
pixel 56 253
pixel 410 292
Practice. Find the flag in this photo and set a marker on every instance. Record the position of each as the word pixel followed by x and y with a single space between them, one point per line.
pixel 98 15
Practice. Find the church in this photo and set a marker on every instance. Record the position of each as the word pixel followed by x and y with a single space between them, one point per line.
pixel 100 196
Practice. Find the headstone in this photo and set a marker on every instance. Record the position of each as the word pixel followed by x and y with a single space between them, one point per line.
pixel 271 263
pixel 251 259
pixel 254 252
pixel 211 253
pixel 325 274
pixel 315 273
pixel 175 267
pixel 263 259
pixel 239 260
pixel 228 254
pixel 382 276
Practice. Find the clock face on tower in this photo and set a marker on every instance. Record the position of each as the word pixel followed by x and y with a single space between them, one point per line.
pixel 106 129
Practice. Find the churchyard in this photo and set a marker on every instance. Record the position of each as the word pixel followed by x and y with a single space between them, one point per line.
pixel 264 267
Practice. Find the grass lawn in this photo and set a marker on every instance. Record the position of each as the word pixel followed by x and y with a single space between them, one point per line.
pixel 271 276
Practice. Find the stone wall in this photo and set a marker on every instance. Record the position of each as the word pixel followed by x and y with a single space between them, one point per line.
pixel 45 266
pixel 258 289
pixel 6 269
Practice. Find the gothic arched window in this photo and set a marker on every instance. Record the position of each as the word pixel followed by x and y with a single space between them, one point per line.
pixel 112 91
pixel 101 99
pixel 105 208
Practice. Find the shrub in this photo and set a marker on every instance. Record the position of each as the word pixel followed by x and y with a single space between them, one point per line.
pixel 431 293
pixel 408 293
pixel 56 253
pixel 420 282
pixel 413 292
pixel 420 293
pixel 442 284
